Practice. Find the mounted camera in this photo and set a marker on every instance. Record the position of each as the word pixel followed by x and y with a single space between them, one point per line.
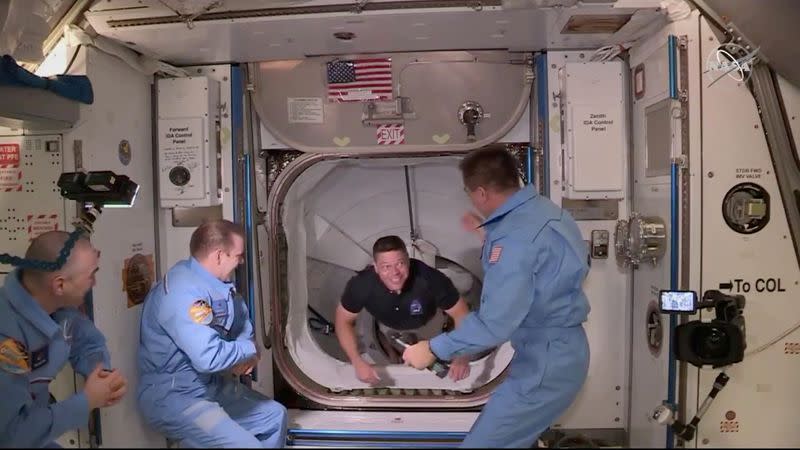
pixel 719 342
pixel 95 191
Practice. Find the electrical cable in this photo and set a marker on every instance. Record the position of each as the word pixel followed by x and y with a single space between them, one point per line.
pixel 609 52
pixel 320 323
pixel 48 266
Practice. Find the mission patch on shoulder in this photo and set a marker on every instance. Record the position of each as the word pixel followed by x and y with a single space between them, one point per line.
pixel 14 357
pixel 200 312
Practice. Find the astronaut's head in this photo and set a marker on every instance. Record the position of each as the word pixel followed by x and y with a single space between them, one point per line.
pixel 68 285
pixel 490 176
pixel 391 262
pixel 218 246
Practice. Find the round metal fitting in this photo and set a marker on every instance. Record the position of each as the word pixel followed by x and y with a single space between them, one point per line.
pixel 654 329
pixel 470 105
pixel 621 242
pixel 647 239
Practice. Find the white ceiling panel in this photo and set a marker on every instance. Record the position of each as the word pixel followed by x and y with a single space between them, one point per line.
pixel 261 37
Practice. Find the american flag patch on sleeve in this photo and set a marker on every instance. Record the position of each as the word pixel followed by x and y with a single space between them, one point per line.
pixel 494 255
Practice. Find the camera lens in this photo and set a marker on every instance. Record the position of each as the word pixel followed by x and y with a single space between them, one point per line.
pixel 711 342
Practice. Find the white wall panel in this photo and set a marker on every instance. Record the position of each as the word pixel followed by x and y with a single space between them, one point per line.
pixel 602 402
pixel 121 111
pixel 757 407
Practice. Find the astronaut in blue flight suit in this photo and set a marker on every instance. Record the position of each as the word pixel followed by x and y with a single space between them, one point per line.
pixel 40 329
pixel 534 261
pixel 195 337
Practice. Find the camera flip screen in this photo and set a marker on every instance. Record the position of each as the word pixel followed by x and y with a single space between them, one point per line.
pixel 678 301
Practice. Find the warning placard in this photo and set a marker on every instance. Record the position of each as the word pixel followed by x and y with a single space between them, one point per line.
pixel 41 223
pixel 10 179
pixel 10 172
pixel 9 155
pixel 391 134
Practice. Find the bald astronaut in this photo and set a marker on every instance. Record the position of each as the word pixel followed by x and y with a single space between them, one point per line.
pixel 41 329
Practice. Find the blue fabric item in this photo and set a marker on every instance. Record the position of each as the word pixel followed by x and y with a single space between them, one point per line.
pixel 74 87
pixel 194 329
pixel 43 344
pixel 534 261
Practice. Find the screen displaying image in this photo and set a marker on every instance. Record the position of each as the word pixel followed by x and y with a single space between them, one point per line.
pixel 677 301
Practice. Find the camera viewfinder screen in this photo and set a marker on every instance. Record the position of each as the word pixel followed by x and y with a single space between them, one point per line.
pixel 678 301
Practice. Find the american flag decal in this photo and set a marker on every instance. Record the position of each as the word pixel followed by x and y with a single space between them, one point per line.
pixel 494 256
pixel 359 80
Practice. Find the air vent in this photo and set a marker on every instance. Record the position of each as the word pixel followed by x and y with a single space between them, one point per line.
pixel 595 24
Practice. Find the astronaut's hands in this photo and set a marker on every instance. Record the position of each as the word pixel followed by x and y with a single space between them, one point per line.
pixel 366 373
pixel 471 222
pixel 245 367
pixel 104 388
pixel 459 368
pixel 419 355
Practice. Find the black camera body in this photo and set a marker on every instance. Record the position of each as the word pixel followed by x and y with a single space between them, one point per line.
pixel 719 342
pixel 99 188
pixel 94 191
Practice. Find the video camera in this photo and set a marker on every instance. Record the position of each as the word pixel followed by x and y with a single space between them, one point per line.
pixel 719 342
pixel 95 191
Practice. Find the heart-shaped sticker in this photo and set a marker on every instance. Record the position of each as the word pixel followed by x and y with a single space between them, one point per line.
pixel 341 141
pixel 441 139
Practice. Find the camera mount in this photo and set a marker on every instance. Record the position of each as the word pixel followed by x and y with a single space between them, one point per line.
pixel 93 191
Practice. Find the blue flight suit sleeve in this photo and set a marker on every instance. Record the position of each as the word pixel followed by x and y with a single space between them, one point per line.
pixel 87 343
pixel 247 327
pixel 206 349
pixel 508 292
pixel 23 424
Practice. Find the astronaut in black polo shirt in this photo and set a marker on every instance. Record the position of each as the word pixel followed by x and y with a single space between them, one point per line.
pixel 401 294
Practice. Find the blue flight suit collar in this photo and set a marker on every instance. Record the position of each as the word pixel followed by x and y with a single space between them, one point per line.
pixel 204 274
pixel 516 199
pixel 27 306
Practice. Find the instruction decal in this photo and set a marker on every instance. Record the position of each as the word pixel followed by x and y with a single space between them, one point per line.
pixel 595 121
pixel 746 173
pixel 41 223
pixel 305 109
pixel 391 134
pixel 740 285
pixel 10 172
pixel 180 141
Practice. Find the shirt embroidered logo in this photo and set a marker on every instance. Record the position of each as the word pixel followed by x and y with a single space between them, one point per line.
pixel 13 357
pixel 200 312
pixel 416 307
pixel 494 256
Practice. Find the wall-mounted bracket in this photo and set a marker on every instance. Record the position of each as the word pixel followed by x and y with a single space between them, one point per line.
pixel 387 113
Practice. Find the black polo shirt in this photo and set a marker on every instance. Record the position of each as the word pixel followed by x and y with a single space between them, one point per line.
pixel 425 291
